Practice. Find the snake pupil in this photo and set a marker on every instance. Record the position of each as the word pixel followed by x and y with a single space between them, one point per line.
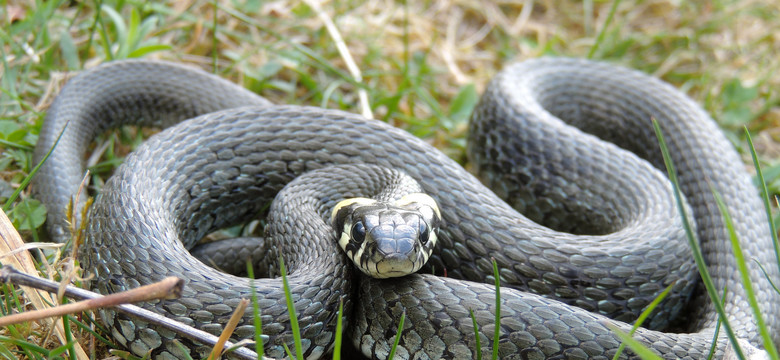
pixel 358 232
pixel 424 233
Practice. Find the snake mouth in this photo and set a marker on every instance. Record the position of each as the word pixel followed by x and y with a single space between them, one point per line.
pixel 395 265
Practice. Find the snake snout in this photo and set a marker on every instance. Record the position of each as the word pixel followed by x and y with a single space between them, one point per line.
pixel 395 250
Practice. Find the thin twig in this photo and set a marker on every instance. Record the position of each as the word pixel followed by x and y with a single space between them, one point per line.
pixel 9 274
pixel 168 288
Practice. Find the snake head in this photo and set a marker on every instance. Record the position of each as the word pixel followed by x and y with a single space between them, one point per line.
pixel 387 239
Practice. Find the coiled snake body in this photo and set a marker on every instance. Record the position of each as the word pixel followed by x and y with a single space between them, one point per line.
pixel 227 164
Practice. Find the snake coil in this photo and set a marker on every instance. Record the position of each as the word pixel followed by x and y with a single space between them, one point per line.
pixel 568 143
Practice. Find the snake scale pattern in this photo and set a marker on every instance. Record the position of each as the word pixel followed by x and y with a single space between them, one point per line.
pixel 586 235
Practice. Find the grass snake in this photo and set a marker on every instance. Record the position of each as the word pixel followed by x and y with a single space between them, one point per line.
pixel 587 229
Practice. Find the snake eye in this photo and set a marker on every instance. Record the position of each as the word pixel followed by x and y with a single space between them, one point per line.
pixel 358 232
pixel 424 232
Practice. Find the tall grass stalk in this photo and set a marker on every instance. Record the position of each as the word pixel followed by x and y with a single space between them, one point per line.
pixel 497 324
pixel 764 196
pixel 398 333
pixel 27 179
pixel 745 276
pixel 694 243
pixel 256 316
pixel 603 31
pixel 477 341
pixel 339 330
pixel 293 316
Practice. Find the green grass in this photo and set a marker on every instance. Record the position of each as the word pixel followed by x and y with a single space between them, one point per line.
pixel 627 339
pixel 293 316
pixel 694 244
pixel 643 351
pixel 740 260
pixel 417 73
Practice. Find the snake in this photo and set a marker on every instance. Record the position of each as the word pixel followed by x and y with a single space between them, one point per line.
pixel 566 196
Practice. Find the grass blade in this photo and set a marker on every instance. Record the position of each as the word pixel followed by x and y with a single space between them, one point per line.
pixel 397 335
pixel 642 317
pixel 11 144
pixel 142 51
pixel 63 349
pixel 766 276
pixel 764 195
pixel 291 309
pixel 477 342
pixel 714 346
pixel 603 32
pixel 68 347
pixel 258 321
pixel 93 333
pixel 634 344
pixel 769 345
pixel 337 341
pixel 27 179
pixel 693 242
pixel 287 351
pixel 27 346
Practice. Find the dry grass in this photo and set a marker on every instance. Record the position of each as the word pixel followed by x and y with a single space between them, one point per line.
pixel 441 46
pixel 414 58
